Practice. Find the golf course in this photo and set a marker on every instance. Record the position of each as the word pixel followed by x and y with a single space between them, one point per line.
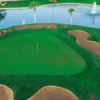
pixel 35 57
pixel 49 61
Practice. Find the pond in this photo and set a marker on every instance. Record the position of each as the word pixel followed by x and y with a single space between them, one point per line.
pixel 57 13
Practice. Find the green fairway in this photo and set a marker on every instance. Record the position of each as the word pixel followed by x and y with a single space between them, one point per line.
pixel 38 52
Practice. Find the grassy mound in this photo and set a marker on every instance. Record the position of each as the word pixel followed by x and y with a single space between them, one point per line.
pixel 38 52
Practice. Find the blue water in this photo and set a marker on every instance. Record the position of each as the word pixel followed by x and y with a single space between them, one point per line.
pixel 53 14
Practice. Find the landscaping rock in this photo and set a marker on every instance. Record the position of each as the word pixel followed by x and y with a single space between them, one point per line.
pixel 49 27
pixel 0 33
pixel 4 31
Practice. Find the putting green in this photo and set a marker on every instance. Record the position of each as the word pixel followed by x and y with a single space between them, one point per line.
pixel 38 52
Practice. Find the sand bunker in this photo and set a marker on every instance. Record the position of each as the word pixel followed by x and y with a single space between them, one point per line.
pixel 81 40
pixel 37 26
pixel 6 93
pixel 53 93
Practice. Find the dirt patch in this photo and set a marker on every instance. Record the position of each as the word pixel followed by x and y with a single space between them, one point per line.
pixel 6 93
pixel 53 93
pixel 81 40
pixel 37 26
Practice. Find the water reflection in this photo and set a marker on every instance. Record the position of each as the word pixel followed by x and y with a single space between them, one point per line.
pixel 2 15
pixel 93 18
pixel 52 14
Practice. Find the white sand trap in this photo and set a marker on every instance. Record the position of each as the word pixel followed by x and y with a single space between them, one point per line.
pixel 53 93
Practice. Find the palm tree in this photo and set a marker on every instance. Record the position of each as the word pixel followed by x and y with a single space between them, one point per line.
pixel 71 10
pixel 33 5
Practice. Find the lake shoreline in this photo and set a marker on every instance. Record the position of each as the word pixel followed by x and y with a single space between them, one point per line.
pixel 76 4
